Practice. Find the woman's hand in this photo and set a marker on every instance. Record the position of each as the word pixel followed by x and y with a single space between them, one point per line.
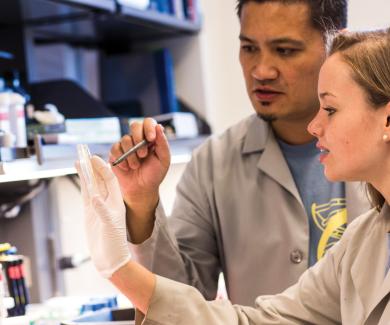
pixel 105 220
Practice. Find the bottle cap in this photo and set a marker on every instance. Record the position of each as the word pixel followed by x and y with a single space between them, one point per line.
pixel 4 247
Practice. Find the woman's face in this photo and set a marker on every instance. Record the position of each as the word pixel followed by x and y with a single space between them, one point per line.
pixel 349 130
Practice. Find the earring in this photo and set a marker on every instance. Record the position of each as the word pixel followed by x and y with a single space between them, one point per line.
pixel 385 137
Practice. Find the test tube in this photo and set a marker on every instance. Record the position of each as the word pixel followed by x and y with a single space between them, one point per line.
pixel 86 169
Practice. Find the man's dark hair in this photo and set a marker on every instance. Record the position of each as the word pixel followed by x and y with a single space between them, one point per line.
pixel 326 15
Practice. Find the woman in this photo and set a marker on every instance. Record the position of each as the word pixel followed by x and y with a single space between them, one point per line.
pixel 350 284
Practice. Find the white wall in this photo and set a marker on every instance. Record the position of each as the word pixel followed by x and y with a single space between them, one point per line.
pixel 227 100
pixel 373 14
pixel 226 95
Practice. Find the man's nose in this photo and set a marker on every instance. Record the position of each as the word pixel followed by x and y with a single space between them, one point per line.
pixel 265 68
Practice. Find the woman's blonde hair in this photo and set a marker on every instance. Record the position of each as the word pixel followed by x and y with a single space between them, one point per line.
pixel 368 55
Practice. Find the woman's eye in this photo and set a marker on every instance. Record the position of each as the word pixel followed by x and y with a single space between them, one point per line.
pixel 329 110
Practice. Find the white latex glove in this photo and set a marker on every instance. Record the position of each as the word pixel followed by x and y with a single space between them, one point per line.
pixel 105 220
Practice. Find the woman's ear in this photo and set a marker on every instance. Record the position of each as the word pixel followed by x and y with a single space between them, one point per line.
pixel 387 112
pixel 386 120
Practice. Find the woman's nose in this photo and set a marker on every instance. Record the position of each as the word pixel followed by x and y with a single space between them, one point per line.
pixel 315 127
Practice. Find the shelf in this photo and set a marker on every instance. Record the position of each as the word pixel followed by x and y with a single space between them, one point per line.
pixel 92 23
pixel 59 160
pixel 158 21
pixel 108 5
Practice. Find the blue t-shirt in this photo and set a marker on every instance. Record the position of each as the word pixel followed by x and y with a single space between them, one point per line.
pixel 324 201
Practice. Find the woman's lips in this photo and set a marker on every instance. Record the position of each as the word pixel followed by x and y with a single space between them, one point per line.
pixel 322 157
pixel 323 154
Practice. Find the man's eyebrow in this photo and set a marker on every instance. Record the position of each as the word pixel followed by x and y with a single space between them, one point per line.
pixel 287 40
pixel 324 94
pixel 245 38
pixel 276 41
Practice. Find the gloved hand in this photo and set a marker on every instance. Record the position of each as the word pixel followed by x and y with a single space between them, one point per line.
pixel 105 220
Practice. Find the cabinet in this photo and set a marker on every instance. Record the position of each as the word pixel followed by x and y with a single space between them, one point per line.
pixel 74 38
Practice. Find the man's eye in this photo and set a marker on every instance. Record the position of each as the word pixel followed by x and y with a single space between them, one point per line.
pixel 248 48
pixel 329 110
pixel 285 51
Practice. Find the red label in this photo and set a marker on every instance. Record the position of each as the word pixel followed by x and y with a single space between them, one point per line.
pixel 22 273
pixel 17 272
pixel 20 113
pixel 11 273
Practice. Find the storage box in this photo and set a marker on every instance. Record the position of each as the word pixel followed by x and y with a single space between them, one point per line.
pixel 105 317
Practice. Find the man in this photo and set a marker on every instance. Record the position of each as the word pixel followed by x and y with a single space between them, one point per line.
pixel 253 202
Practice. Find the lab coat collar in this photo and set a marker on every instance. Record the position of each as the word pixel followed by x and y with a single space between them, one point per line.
pixel 260 138
pixel 373 286
pixel 256 136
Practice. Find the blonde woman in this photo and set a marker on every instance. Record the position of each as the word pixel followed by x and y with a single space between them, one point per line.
pixel 351 284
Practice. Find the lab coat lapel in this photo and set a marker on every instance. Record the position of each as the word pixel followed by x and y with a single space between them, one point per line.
pixel 385 317
pixel 371 286
pixel 382 238
pixel 273 163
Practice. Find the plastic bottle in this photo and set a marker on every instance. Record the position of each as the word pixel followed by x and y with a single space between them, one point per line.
pixel 5 101
pixel 12 82
pixel 17 119
pixel 18 99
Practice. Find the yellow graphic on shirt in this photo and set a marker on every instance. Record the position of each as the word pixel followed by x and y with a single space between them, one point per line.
pixel 331 219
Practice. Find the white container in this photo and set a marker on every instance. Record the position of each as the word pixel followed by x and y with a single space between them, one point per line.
pixel 138 4
pixel 5 101
pixel 17 119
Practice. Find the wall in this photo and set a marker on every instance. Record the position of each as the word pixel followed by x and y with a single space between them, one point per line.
pixel 372 15
pixel 226 95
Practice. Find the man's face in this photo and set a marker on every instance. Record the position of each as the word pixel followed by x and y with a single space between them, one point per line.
pixel 281 55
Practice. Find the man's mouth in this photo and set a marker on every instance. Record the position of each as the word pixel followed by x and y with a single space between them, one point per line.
pixel 266 95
